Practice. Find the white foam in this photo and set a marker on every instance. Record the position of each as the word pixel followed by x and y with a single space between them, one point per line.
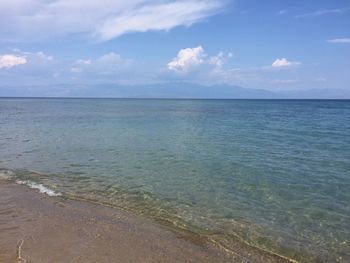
pixel 42 189
pixel 6 174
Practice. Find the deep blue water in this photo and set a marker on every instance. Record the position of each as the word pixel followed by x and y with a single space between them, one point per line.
pixel 276 173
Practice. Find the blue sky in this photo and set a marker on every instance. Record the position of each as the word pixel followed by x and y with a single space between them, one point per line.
pixel 275 45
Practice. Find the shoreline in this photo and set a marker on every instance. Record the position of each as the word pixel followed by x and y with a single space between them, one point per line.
pixel 36 227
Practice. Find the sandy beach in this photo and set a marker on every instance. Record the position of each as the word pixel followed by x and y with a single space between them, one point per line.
pixel 37 228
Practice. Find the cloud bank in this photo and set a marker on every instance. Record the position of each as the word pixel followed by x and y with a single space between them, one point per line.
pixel 101 19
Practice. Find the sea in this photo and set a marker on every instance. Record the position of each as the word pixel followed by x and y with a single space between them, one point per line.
pixel 273 174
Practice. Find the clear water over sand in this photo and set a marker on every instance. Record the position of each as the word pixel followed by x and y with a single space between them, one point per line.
pixel 275 174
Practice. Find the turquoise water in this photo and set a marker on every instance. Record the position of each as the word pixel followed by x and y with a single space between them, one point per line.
pixel 274 173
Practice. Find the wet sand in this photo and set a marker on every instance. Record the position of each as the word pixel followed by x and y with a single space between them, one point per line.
pixel 38 228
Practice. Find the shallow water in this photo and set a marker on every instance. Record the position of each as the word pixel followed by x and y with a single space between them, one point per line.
pixel 273 173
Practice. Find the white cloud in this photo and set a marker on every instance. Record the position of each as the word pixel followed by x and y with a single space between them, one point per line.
pixel 107 64
pixel 339 40
pixel 187 58
pixel 84 62
pixel 218 60
pixel 322 12
pixel 43 56
pixel 113 60
pixel 9 61
pixel 284 63
pixel 196 66
pixel 103 19
pixel 39 57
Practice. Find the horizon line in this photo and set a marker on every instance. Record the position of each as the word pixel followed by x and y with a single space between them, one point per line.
pixel 165 98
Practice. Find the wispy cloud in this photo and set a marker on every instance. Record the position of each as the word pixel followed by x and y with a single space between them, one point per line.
pixel 101 19
pixel 163 16
pixel 323 12
pixel 281 12
pixel 339 40
pixel 108 64
pixel 284 63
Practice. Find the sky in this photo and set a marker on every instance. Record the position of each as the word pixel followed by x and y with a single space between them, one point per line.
pixel 48 47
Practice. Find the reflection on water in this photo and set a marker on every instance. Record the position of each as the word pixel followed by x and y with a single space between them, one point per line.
pixel 275 174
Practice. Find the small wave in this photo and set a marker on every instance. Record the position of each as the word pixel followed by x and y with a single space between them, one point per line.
pixel 42 189
pixel 6 174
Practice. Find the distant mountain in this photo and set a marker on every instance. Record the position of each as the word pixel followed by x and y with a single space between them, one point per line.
pixel 315 94
pixel 187 90
pixel 196 91
pixel 168 90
